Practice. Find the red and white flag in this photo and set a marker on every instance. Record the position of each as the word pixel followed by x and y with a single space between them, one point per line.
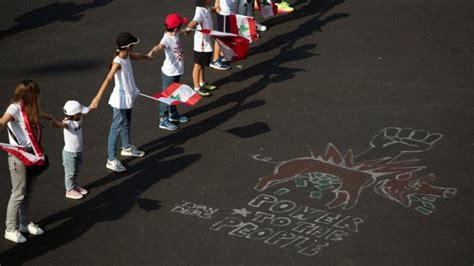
pixel 233 47
pixel 33 134
pixel 241 25
pixel 267 8
pixel 20 152
pixel 175 94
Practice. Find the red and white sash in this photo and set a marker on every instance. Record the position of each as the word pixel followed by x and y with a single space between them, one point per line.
pixel 20 152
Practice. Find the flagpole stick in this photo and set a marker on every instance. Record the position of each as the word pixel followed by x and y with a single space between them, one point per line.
pixel 184 30
pixel 147 96
pixel 225 20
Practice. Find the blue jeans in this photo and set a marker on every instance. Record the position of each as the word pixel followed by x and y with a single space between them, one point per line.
pixel 245 7
pixel 120 125
pixel 165 109
pixel 71 162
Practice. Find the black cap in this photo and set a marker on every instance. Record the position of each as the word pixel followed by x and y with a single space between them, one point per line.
pixel 126 39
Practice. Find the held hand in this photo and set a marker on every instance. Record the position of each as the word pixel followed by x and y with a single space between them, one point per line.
pixel 186 30
pixel 150 56
pixel 54 123
pixel 94 104
pixel 48 117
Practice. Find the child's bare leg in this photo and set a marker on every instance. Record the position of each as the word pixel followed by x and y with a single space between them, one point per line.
pixel 201 76
pixel 217 52
pixel 196 75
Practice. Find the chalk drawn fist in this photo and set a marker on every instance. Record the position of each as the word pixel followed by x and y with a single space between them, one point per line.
pixel 405 139
pixel 394 141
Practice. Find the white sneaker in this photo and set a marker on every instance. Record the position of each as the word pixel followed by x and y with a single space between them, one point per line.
pixel 115 165
pixel 132 151
pixel 74 194
pixel 15 236
pixel 261 27
pixel 31 228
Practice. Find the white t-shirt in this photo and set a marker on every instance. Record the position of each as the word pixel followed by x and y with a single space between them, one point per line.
pixel 73 136
pixel 202 42
pixel 174 60
pixel 125 91
pixel 17 127
pixel 227 7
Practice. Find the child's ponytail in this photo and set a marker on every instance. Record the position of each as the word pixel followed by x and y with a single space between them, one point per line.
pixel 117 51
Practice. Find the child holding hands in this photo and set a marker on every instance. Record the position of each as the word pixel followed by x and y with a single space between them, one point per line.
pixel 121 100
pixel 202 45
pixel 22 120
pixel 72 152
pixel 172 69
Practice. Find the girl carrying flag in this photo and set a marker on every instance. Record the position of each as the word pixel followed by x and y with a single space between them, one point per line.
pixel 172 69
pixel 22 119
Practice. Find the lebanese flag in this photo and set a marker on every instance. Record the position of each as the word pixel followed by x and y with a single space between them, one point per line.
pixel 20 152
pixel 241 25
pixel 28 159
pixel 233 47
pixel 175 94
pixel 267 8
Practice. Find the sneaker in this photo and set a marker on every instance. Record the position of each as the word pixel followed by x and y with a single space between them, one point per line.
pixel 31 228
pixel 209 87
pixel 115 165
pixel 74 194
pixel 284 7
pixel 178 118
pixel 15 236
pixel 203 92
pixel 81 190
pixel 219 65
pixel 132 151
pixel 261 27
pixel 223 60
pixel 166 124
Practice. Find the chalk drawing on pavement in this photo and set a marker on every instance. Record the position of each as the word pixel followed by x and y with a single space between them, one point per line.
pixel 194 209
pixel 381 166
pixel 287 225
pixel 244 212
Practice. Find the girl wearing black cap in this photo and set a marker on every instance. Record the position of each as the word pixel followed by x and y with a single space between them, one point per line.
pixel 122 99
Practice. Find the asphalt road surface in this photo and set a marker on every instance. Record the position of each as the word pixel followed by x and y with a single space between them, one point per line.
pixel 345 138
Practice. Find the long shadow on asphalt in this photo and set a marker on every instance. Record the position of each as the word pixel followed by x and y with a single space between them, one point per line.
pixel 63 12
pixel 109 205
pixel 115 202
pixel 287 40
pixel 61 68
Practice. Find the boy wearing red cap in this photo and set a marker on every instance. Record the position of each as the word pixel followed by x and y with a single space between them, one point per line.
pixel 172 69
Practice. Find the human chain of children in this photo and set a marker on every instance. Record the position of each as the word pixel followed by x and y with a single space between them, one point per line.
pixel 213 47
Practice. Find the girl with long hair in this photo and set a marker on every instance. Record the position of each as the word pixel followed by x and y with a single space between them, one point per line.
pixel 22 119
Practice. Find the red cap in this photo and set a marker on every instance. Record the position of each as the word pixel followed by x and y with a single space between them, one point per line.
pixel 174 20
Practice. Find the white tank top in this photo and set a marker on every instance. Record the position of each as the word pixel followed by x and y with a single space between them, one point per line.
pixel 125 91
